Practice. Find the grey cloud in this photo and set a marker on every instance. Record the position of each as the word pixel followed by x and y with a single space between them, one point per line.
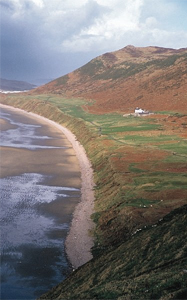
pixel 8 5
pixel 72 22
pixel 30 43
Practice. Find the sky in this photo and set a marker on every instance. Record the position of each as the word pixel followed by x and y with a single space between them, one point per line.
pixel 44 39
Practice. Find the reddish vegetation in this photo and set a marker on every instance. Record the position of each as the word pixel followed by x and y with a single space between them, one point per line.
pixel 153 78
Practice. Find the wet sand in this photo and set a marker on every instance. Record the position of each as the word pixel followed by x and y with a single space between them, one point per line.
pixel 79 240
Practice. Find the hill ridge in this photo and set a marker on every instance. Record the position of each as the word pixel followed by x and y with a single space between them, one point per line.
pixel 152 77
pixel 15 85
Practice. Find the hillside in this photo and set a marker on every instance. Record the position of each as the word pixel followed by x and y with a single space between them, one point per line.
pixel 152 77
pixel 15 85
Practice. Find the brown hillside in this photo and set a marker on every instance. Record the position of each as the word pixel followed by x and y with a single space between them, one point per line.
pixel 153 78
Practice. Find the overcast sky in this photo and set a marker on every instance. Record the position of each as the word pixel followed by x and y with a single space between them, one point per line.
pixel 45 39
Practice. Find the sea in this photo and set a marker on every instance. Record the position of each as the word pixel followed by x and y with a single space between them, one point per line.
pixel 34 214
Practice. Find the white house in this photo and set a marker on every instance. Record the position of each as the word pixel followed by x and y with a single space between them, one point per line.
pixel 139 110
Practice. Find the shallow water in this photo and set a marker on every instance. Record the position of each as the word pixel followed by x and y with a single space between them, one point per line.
pixel 22 135
pixel 35 217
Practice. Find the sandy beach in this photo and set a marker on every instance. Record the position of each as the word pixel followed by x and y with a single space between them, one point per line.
pixel 79 240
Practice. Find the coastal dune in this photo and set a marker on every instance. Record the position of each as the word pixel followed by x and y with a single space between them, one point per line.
pixel 79 240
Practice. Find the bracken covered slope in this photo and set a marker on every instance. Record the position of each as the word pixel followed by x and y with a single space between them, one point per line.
pixel 152 77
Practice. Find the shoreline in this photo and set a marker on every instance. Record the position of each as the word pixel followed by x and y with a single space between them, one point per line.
pixel 79 241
